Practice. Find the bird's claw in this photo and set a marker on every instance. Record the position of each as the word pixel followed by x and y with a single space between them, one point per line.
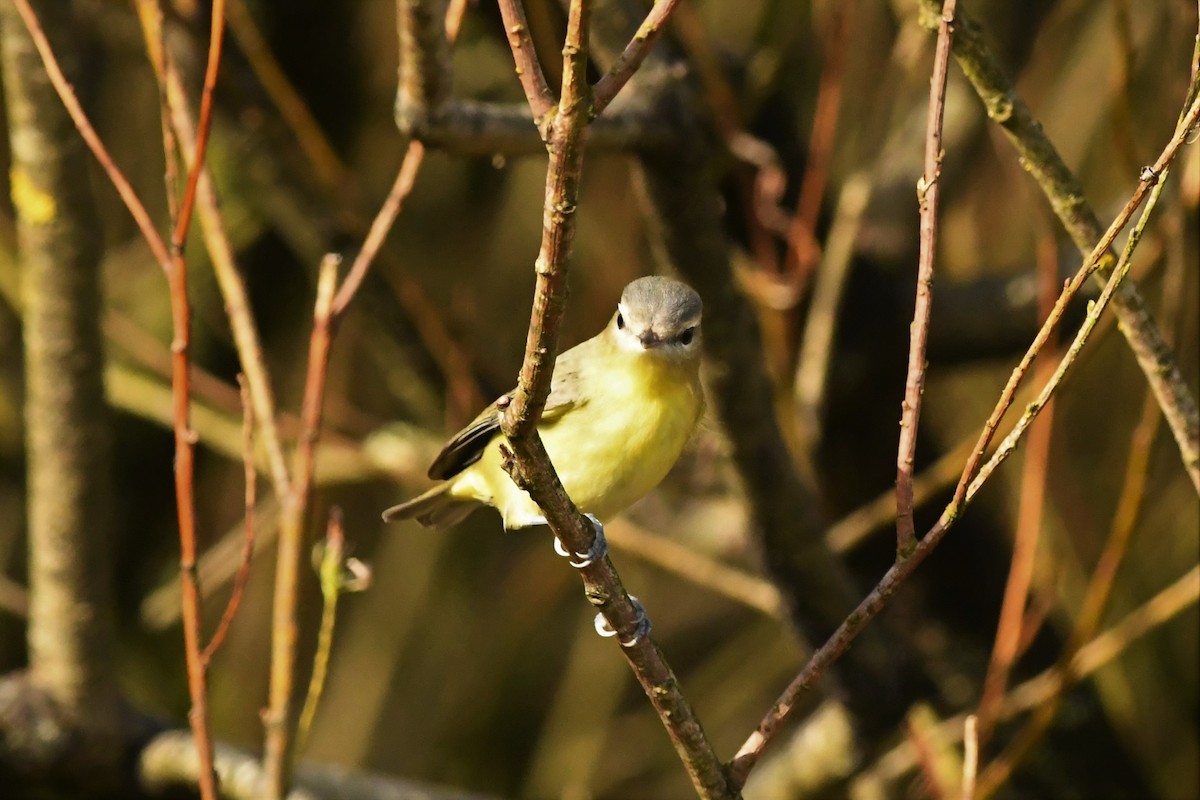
pixel 597 551
pixel 640 631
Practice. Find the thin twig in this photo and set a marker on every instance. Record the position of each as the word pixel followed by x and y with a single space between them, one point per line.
pixel 203 128
pixel 632 57
pixel 928 192
pixel 251 499
pixel 529 67
pixel 331 589
pixel 804 251
pixel 698 568
pixel 1149 179
pixel 918 729
pixel 138 211
pixel 277 759
pixel 1035 692
pixel 220 249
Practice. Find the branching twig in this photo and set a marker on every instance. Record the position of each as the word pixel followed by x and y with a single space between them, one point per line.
pixel 928 192
pixel 1039 156
pixel 999 770
pixel 874 602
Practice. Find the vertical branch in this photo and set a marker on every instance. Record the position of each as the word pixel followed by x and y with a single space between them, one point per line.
pixel 928 191
pixel 69 631
pixel 278 717
pixel 185 503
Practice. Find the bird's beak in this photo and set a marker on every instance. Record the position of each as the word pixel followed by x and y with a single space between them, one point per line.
pixel 649 338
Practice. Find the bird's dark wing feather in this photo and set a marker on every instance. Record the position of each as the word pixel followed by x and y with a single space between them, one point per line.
pixel 467 446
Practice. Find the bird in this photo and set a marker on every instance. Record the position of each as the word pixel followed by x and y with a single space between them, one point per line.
pixel 622 407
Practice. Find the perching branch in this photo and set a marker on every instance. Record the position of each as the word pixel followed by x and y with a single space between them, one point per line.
pixel 529 464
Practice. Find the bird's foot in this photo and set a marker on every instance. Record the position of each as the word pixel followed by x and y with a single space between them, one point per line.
pixel 640 630
pixel 597 551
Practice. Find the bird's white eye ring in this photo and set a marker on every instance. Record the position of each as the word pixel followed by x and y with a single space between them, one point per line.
pixel 687 335
pixel 620 321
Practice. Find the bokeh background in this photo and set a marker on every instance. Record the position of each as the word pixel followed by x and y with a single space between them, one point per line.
pixel 471 660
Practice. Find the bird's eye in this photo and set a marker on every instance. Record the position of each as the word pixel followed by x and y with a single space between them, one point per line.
pixel 620 321
pixel 688 334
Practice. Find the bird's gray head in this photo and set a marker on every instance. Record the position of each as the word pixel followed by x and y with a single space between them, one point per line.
pixel 659 314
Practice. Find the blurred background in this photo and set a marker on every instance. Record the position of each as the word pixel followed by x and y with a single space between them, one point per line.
pixel 471 660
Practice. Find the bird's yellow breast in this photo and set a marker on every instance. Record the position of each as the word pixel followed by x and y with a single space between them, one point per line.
pixel 633 415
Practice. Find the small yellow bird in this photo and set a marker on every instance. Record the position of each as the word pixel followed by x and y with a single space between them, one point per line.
pixel 622 406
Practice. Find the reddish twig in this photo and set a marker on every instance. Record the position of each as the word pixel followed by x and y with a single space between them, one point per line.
pixel 221 252
pixel 803 250
pixel 277 759
pixel 174 267
pixel 632 57
pixel 529 67
pixel 928 192
pixel 1100 585
pixel 203 128
pixel 917 730
pixel 251 498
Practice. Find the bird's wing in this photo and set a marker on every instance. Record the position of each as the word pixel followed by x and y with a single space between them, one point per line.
pixel 467 446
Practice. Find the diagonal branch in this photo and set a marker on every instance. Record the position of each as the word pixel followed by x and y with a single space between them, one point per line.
pixel 1039 156
pixel 529 68
pixel 750 752
pixel 632 57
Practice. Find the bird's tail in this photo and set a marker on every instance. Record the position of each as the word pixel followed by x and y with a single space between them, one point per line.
pixel 436 508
